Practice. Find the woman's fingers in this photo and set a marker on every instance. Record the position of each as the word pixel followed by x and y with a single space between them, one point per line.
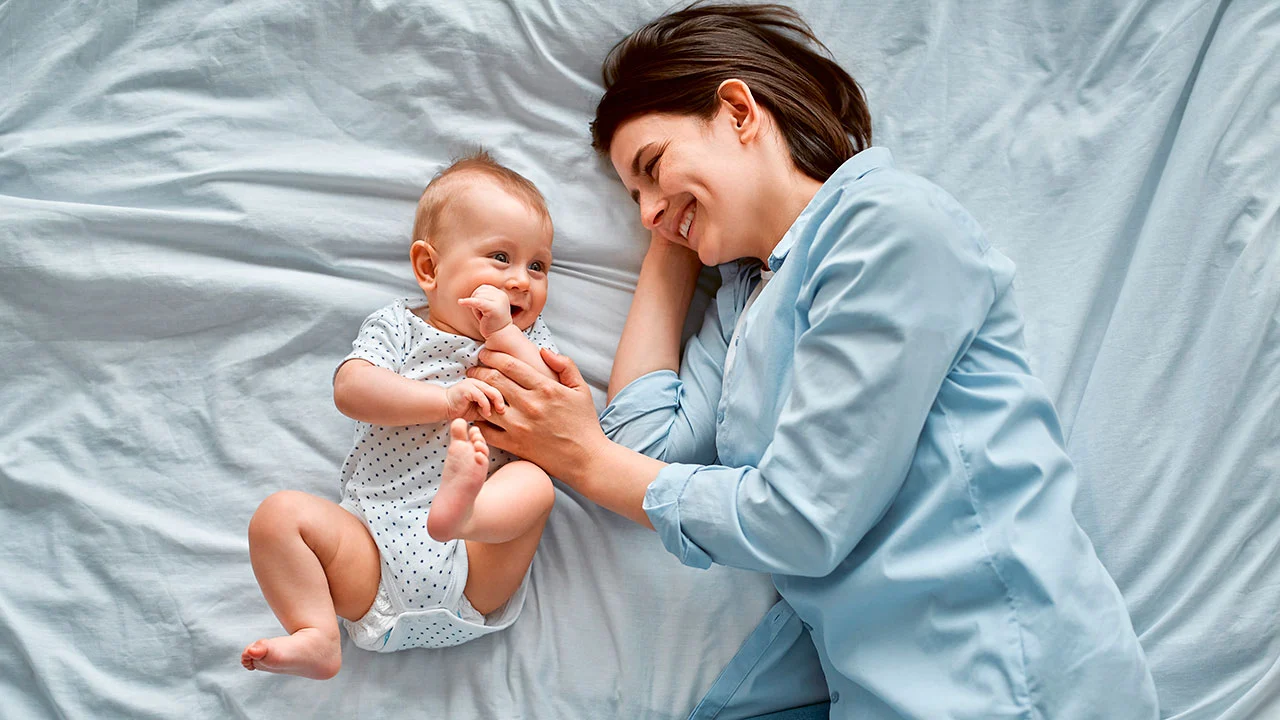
pixel 494 379
pixel 492 434
pixel 564 368
pixel 509 367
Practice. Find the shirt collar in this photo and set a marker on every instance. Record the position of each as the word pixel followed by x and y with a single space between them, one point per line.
pixel 849 171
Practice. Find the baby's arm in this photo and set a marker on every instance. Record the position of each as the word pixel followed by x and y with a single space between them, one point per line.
pixel 379 396
pixel 493 310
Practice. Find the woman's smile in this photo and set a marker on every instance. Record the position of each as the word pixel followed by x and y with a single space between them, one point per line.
pixel 686 222
pixel 683 224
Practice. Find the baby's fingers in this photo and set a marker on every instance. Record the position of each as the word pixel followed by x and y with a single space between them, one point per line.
pixel 499 403
pixel 479 306
pixel 477 396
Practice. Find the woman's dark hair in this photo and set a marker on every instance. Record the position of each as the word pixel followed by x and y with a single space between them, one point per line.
pixel 676 63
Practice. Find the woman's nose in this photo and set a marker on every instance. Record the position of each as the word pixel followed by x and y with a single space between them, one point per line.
pixel 651 212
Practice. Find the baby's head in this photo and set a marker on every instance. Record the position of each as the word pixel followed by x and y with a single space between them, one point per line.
pixel 479 223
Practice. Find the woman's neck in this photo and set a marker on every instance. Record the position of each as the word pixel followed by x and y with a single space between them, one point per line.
pixel 789 200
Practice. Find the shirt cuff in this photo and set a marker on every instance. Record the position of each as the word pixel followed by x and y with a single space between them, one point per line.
pixel 654 391
pixel 662 505
pixel 639 417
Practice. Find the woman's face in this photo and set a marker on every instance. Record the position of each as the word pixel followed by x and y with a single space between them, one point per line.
pixel 694 182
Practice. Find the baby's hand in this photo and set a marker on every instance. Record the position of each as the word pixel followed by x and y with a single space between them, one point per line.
pixel 472 400
pixel 492 308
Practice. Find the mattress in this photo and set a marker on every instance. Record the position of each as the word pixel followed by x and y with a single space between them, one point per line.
pixel 200 201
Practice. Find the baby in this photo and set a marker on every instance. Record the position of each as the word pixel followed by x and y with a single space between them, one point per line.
pixel 422 551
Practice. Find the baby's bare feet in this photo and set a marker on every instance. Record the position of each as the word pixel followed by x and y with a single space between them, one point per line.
pixel 465 469
pixel 309 652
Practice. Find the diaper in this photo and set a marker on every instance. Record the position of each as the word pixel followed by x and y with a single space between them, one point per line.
pixel 389 626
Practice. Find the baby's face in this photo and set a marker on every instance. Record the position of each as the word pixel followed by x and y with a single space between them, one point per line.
pixel 489 237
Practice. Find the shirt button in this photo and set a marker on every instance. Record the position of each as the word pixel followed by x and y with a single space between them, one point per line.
pixel 720 417
pixel 835 697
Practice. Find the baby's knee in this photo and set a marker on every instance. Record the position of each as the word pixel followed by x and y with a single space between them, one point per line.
pixel 543 495
pixel 546 494
pixel 280 513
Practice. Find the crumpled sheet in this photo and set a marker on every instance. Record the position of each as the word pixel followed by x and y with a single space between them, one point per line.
pixel 199 202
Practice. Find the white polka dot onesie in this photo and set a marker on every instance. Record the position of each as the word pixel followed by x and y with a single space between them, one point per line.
pixel 389 481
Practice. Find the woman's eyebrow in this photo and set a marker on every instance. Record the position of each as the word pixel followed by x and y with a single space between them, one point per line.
pixel 635 161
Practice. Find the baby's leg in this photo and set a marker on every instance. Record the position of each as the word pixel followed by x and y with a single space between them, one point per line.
pixel 517 499
pixel 313 560
pixel 501 518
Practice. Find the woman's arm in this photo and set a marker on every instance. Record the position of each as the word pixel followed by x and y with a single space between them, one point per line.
pixel 651 337
pixel 893 293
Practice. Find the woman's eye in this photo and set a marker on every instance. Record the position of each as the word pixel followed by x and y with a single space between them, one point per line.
pixel 500 257
pixel 649 167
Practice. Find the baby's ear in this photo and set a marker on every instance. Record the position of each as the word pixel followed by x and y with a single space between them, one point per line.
pixel 424 259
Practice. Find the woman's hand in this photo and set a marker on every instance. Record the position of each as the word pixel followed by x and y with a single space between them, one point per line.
pixel 552 424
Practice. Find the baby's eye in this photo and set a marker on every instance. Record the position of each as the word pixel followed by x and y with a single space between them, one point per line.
pixel 500 257
pixel 537 266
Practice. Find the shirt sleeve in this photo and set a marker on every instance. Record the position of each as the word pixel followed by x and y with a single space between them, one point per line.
pixel 671 416
pixel 896 286
pixel 382 340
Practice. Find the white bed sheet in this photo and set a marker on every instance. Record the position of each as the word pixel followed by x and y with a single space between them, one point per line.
pixel 199 201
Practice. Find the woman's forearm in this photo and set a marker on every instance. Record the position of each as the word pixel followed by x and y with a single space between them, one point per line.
pixel 616 477
pixel 651 337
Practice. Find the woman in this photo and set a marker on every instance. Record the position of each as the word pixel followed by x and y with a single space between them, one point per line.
pixel 857 416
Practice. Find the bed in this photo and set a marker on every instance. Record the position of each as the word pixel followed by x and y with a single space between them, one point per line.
pixel 200 200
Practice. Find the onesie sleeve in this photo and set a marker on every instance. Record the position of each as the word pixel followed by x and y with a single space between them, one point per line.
pixel 896 287
pixel 382 341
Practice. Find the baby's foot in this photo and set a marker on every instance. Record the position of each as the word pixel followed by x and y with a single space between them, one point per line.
pixel 309 653
pixel 465 470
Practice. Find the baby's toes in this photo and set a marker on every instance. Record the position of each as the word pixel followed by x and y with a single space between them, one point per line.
pixel 477 441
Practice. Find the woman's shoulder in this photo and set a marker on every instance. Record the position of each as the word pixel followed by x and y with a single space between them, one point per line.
pixel 870 198
pixel 872 182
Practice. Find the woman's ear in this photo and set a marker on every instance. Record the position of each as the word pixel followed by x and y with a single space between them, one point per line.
pixel 425 261
pixel 739 107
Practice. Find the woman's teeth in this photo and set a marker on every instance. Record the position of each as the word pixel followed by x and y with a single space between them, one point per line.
pixel 687 222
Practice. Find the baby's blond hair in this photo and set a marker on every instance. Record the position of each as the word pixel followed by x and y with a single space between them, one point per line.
pixel 446 184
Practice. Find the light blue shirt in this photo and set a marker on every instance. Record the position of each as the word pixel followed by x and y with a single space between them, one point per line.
pixel 882 449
